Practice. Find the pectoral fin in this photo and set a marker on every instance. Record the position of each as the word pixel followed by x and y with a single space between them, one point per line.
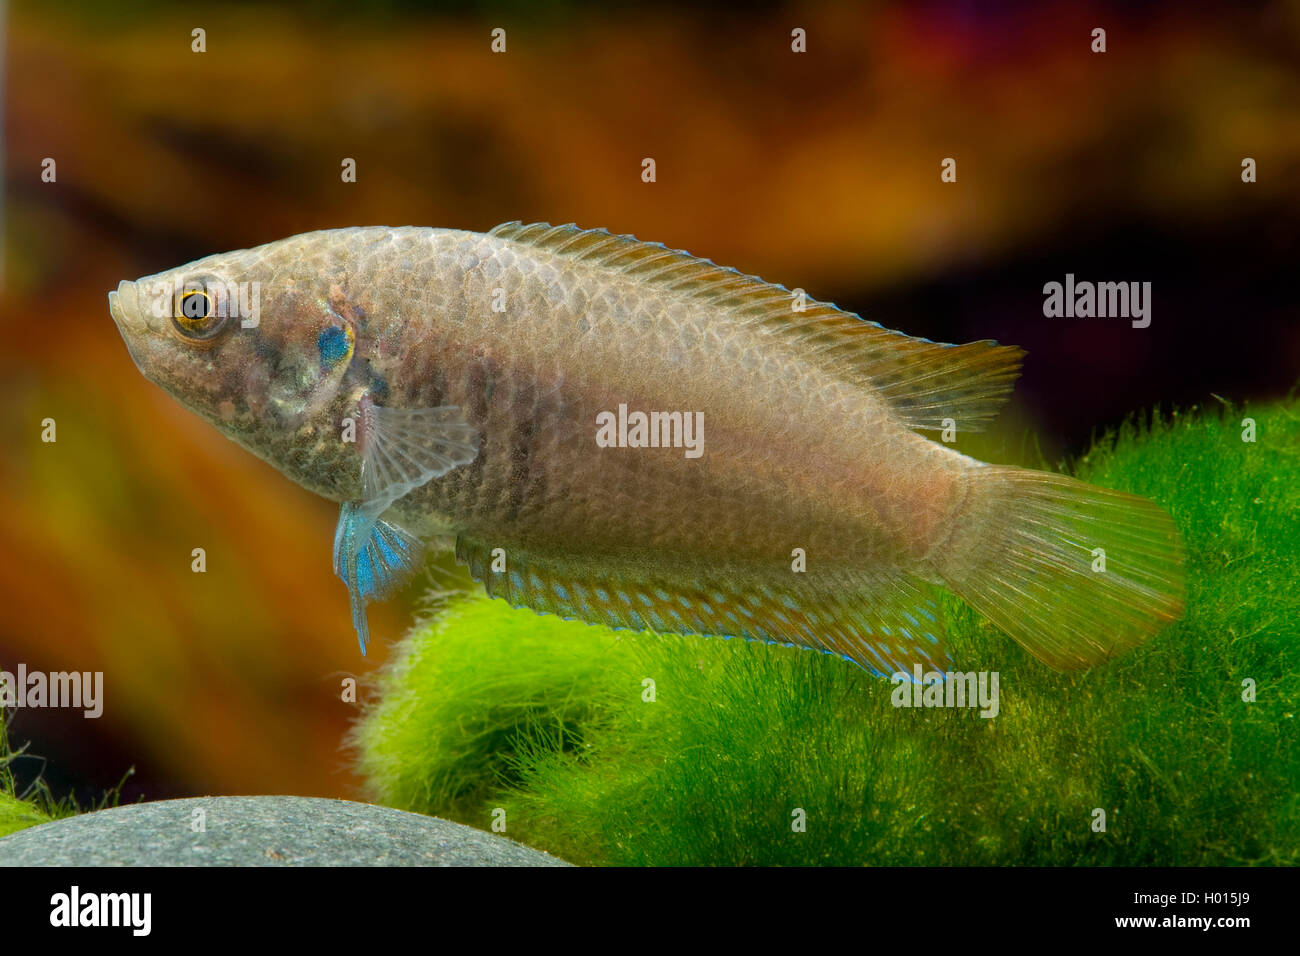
pixel 403 448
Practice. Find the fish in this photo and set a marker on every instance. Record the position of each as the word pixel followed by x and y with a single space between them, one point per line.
pixel 624 434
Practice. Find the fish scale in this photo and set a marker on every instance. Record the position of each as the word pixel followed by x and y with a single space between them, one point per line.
pixel 730 509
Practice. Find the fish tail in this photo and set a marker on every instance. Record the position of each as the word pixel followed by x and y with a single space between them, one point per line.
pixel 1074 573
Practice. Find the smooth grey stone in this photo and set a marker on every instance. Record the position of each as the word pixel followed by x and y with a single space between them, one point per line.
pixel 261 831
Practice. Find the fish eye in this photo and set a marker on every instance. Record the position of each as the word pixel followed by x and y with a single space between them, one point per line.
pixel 195 305
pixel 196 317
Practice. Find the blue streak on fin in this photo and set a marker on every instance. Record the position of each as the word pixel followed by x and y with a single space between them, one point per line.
pixel 373 557
pixel 883 622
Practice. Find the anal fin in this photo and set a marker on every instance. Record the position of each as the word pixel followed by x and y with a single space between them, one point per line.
pixel 885 623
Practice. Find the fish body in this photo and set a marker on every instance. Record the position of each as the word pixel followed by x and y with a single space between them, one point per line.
pixel 622 433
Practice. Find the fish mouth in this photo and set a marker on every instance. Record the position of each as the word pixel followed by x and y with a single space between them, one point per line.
pixel 124 307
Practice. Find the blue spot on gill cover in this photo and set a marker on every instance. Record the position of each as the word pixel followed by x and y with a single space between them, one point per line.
pixel 333 345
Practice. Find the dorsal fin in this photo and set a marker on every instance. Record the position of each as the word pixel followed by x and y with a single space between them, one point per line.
pixel 923 381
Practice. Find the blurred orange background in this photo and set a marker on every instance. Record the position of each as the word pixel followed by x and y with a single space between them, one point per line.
pixel 818 170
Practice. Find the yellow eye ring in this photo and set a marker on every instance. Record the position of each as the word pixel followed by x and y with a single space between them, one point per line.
pixel 201 328
pixel 188 296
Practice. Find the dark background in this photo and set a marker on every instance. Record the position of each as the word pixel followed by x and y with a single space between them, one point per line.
pixel 818 170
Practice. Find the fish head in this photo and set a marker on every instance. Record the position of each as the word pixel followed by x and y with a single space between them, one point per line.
pixel 249 342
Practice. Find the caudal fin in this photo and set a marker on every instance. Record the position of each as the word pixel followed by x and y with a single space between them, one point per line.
pixel 1076 574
